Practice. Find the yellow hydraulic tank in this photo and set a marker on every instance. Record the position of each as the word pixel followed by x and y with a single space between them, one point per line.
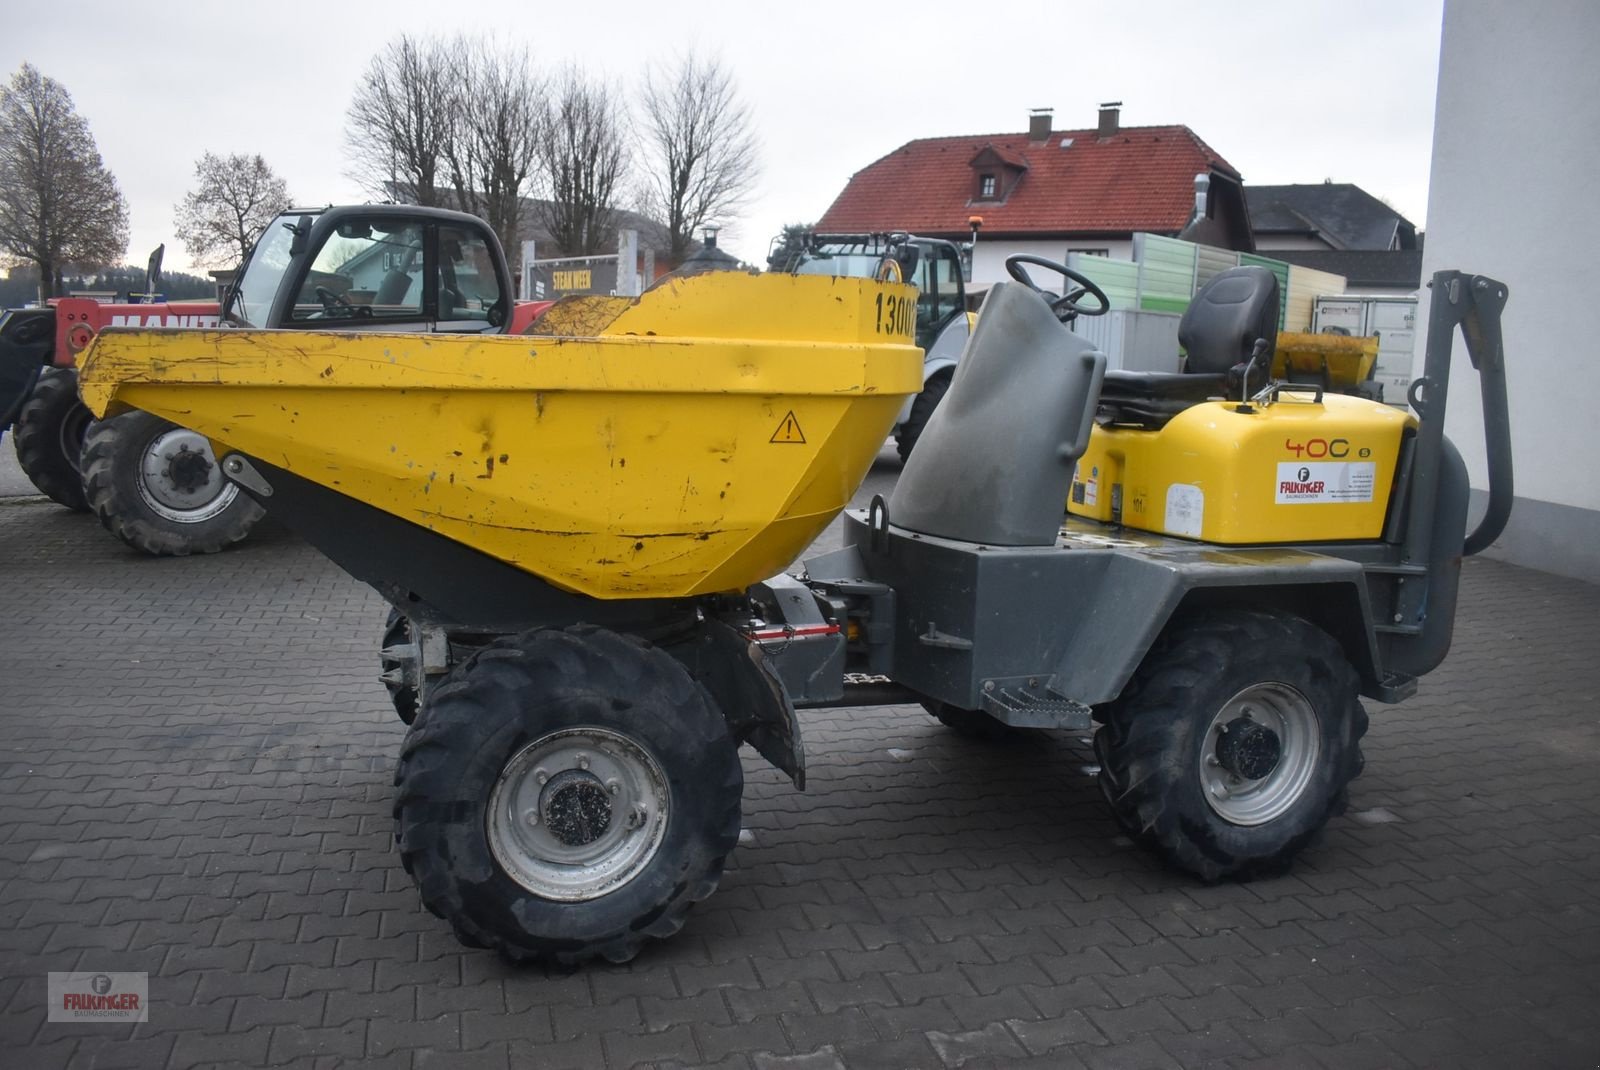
pixel 690 441
pixel 1292 470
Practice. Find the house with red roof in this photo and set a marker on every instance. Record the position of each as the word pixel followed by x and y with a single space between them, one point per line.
pixel 1049 192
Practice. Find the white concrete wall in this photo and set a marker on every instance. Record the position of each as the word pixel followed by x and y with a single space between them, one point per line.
pixel 989 259
pixel 1516 160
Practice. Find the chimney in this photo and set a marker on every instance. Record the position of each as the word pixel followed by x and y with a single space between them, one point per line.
pixel 1202 185
pixel 1109 112
pixel 1039 123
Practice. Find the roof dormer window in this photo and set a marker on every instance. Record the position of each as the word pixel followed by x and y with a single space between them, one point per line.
pixel 987 187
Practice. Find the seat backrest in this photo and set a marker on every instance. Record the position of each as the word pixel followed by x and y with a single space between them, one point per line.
pixel 393 289
pixel 994 464
pixel 1226 318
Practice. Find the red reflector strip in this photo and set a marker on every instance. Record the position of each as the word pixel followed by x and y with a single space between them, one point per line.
pixel 794 633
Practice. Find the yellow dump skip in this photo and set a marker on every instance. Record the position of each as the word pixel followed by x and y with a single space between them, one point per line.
pixel 692 441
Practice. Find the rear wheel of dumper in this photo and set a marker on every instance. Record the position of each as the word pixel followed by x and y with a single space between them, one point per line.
pixel 49 438
pixel 158 488
pixel 1234 743
pixel 397 634
pixel 933 392
pixel 567 795
pixel 974 724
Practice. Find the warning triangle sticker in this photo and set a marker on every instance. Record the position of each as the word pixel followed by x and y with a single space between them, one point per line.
pixel 789 431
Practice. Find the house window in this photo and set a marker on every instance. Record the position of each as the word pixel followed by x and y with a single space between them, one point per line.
pixel 986 186
pixel 1089 252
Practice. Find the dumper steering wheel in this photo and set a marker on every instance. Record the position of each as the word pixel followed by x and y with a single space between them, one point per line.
pixel 333 301
pixel 1066 307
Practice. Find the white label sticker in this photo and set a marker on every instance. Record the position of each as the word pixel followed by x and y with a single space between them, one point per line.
pixel 1186 508
pixel 1325 481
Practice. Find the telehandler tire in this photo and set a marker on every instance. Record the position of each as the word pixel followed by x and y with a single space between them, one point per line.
pixel 1234 743
pixel 933 391
pixel 49 438
pixel 157 487
pixel 566 795
pixel 397 632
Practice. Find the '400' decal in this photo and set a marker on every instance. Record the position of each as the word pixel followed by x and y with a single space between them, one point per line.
pixel 1321 447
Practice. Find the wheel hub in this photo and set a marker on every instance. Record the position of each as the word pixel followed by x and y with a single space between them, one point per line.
pixel 1249 750
pixel 576 808
pixel 188 470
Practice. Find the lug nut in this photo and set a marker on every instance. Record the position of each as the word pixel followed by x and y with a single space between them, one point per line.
pixel 583 761
pixel 541 776
pixel 531 817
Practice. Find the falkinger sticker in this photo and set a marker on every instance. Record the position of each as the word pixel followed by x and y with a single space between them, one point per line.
pixel 1301 482
pixel 98 997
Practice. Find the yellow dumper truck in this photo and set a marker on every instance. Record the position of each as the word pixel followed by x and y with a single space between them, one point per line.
pixel 582 531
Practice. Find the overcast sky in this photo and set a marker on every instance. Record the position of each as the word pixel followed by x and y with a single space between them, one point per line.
pixel 1286 92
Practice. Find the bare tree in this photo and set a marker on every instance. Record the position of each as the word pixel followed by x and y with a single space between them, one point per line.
pixel 449 123
pixel 401 119
pixel 234 199
pixel 705 155
pixel 58 202
pixel 492 150
pixel 582 156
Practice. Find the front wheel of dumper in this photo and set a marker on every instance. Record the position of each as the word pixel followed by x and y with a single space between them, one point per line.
pixel 568 795
pixel 1234 743
pixel 158 487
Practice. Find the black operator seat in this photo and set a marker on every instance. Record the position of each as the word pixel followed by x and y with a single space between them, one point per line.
pixel 1219 331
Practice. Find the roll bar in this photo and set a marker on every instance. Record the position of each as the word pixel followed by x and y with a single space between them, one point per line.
pixel 1474 303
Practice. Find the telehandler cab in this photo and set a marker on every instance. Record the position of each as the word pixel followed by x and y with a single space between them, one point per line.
pixel 585 529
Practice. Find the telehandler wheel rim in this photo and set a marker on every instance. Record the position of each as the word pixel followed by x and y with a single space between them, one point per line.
pixel 1259 753
pixel 180 480
pixel 578 813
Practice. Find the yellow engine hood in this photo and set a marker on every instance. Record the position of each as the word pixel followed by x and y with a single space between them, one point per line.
pixel 690 441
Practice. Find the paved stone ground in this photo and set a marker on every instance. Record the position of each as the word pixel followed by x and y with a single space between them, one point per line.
pixel 195 783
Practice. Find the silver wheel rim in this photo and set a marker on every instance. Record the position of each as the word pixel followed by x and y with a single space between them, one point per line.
pixel 578 813
pixel 1240 800
pixel 168 459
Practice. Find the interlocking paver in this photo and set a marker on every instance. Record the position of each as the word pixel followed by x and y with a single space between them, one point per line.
pixel 196 765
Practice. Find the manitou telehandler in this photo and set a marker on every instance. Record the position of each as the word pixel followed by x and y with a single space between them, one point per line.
pixel 585 528
pixel 154 484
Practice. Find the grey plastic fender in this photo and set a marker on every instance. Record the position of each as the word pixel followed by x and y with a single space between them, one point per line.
pixel 994 464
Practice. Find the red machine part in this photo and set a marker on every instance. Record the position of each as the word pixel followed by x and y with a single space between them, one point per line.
pixel 79 319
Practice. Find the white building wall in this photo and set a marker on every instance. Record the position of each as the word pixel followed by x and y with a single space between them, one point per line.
pixel 1515 158
pixel 989 258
